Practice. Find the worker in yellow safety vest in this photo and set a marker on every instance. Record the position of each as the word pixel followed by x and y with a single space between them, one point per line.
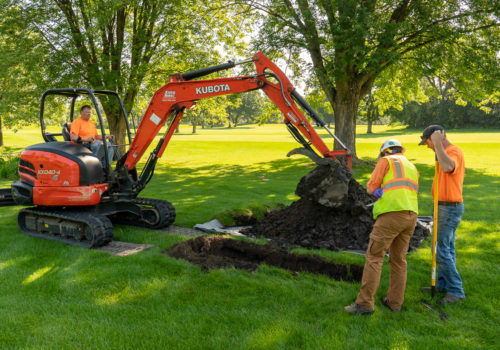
pixel 394 182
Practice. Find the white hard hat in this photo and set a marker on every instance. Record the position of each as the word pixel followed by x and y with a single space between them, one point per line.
pixel 389 144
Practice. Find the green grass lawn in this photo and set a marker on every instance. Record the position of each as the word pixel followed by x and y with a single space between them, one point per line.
pixel 56 296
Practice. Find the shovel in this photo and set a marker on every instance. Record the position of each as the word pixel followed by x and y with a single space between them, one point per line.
pixel 442 314
pixel 434 228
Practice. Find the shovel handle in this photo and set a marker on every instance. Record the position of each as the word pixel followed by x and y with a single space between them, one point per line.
pixel 434 226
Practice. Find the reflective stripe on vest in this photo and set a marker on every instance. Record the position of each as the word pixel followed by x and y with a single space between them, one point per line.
pixel 400 186
pixel 393 185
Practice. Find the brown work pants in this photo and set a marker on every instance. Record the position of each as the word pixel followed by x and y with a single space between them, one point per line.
pixel 391 231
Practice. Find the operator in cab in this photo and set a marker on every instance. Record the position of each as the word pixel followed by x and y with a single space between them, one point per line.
pixel 83 130
pixel 394 182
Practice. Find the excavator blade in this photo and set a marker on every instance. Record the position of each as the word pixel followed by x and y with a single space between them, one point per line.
pixel 6 197
pixel 314 157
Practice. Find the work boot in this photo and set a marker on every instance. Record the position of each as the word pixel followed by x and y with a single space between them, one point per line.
pixel 429 289
pixel 357 309
pixel 386 304
pixel 449 299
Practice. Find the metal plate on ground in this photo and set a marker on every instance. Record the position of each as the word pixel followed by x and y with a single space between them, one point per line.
pixel 217 227
pixel 183 231
pixel 123 248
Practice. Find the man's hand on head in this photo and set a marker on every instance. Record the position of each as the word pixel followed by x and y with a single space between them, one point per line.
pixel 437 137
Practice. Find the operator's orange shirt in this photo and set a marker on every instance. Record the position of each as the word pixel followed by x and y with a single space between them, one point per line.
pixel 83 128
pixel 451 184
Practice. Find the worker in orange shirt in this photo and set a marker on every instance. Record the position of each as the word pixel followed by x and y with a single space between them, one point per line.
pixel 83 130
pixel 450 210
pixel 395 182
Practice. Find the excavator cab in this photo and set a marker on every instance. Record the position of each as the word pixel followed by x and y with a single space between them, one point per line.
pixel 72 95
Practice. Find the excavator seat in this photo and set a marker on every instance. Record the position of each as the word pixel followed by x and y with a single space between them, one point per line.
pixel 66 131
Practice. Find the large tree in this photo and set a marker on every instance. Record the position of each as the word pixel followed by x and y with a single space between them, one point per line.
pixel 22 57
pixel 350 43
pixel 125 46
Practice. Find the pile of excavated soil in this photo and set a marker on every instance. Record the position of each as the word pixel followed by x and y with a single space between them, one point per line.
pixel 342 222
pixel 211 252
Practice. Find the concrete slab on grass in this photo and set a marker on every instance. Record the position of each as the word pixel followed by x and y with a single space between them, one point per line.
pixel 123 248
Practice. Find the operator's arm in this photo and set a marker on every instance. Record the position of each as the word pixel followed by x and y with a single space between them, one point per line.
pixel 377 176
pixel 108 137
pixel 76 138
pixel 445 162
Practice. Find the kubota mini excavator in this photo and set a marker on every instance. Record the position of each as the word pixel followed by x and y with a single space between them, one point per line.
pixel 76 199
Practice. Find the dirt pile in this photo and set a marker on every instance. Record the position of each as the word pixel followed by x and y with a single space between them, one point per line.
pixel 212 252
pixel 344 224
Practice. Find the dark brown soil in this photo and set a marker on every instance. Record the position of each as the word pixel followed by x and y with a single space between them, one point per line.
pixel 212 252
pixel 344 224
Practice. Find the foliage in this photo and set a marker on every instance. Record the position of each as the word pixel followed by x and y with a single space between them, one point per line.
pixel 23 65
pixel 129 47
pixel 447 113
pixel 351 43
pixel 319 103
pixel 210 112
pixel 8 167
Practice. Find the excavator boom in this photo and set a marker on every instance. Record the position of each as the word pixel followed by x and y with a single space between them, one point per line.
pixel 181 92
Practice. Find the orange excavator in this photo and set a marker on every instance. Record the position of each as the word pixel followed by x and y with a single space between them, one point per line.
pixel 76 200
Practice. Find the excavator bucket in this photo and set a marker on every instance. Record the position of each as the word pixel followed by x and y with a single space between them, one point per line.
pixel 327 184
pixel 314 157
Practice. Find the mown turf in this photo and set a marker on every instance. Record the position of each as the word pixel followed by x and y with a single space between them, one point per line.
pixel 60 297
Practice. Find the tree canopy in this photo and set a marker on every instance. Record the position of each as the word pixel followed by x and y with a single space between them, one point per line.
pixel 127 46
pixel 350 44
pixel 351 48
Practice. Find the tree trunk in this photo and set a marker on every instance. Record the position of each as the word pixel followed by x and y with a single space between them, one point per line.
pixel 177 130
pixel 369 127
pixel 1 132
pixel 194 128
pixel 117 125
pixel 346 109
pixel 118 128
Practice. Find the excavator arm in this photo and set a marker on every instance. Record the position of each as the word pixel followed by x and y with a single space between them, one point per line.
pixel 181 92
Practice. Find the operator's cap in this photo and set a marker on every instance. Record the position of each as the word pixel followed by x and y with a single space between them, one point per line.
pixel 428 132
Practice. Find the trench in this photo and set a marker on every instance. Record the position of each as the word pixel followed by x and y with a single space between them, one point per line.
pixel 214 252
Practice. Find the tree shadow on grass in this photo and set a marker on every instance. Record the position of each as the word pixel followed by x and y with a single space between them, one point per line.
pixel 221 187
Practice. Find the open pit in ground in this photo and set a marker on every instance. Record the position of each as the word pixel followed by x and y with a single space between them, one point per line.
pixel 211 252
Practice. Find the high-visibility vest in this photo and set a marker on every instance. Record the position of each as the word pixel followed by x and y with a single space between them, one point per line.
pixel 400 186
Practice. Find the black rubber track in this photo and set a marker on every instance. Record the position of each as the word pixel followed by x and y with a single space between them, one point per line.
pixel 98 229
pixel 156 213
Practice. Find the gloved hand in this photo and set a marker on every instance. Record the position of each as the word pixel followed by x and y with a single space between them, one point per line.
pixel 378 193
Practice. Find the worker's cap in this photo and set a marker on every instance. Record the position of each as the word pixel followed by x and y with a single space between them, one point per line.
pixel 428 132
pixel 390 144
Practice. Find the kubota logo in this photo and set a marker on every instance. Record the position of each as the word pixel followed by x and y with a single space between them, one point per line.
pixel 212 88
pixel 48 172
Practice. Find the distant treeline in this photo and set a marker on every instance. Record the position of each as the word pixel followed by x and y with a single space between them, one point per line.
pixel 448 114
